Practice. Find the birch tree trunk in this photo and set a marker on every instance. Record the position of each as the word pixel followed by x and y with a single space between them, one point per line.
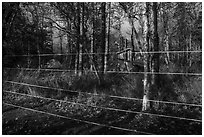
pixel 92 39
pixel 146 103
pixel 81 16
pixel 76 63
pixel 103 35
pixel 166 34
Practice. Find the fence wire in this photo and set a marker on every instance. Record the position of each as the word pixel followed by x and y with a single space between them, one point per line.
pixel 78 120
pixel 111 96
pixel 119 72
pixel 107 108
pixel 101 53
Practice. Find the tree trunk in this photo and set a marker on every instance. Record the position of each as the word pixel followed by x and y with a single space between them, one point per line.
pixel 28 58
pixel 78 39
pixel 103 35
pixel 182 30
pixel 92 39
pixel 166 34
pixel 61 46
pixel 37 38
pixel 189 55
pixel 155 59
pixel 107 40
pixel 133 46
pixel 69 47
pixel 146 103
pixel 38 50
pixel 76 64
pixel 81 34
pixel 154 84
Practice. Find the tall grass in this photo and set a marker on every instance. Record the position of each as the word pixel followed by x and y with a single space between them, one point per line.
pixel 173 87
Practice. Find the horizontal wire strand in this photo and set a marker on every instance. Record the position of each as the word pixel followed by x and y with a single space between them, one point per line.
pixel 78 120
pixel 137 52
pixel 120 72
pixel 112 96
pixel 112 109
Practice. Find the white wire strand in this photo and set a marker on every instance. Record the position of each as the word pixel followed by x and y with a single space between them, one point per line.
pixel 107 108
pixel 120 72
pixel 136 52
pixel 112 96
pixel 78 120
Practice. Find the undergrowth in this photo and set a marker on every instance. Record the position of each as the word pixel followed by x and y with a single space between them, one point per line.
pixel 174 88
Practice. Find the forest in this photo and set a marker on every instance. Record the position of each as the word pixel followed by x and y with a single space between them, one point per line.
pixel 101 68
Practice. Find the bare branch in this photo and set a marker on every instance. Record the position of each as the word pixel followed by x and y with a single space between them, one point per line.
pixel 59 26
